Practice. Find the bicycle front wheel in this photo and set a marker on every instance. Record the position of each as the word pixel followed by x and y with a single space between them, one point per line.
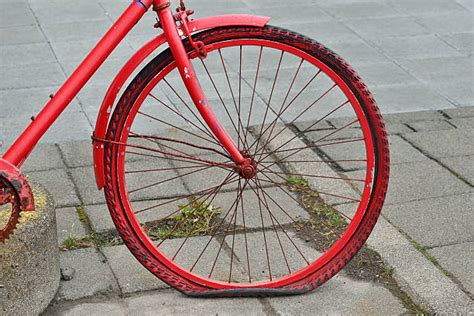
pixel 317 144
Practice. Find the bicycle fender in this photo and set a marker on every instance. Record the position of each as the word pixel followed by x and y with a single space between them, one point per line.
pixel 136 60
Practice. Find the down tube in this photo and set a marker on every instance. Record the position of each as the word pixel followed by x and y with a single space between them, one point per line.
pixel 22 147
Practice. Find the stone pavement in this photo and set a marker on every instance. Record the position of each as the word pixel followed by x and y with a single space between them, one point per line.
pixel 416 56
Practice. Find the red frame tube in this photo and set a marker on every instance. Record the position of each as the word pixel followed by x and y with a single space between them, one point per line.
pixel 23 146
pixel 191 82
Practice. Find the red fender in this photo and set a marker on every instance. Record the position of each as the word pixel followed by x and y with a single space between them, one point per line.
pixel 133 63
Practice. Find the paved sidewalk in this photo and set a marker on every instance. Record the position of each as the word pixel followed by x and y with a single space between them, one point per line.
pixel 430 249
pixel 416 57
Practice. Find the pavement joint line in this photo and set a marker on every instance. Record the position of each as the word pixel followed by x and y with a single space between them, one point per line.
pixel 427 198
pixel 268 309
pixel 69 174
pixel 407 125
pixel 431 259
pixel 444 114
pixel 454 173
pixel 449 244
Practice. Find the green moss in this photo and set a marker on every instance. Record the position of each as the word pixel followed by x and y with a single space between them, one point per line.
pixel 72 243
pixel 194 219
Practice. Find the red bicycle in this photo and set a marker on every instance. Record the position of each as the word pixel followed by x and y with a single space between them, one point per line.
pixel 207 171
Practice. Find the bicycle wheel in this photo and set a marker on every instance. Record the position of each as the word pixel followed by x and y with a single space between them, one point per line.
pixel 320 157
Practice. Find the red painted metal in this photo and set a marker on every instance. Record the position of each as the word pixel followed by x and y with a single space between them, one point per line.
pixel 30 137
pixel 13 175
pixel 191 82
pixel 137 59
pixel 321 261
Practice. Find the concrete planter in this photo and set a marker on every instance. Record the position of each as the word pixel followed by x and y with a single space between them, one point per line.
pixel 29 261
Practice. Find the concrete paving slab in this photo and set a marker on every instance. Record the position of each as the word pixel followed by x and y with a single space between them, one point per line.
pixel 50 12
pixel 415 47
pixel 381 74
pixel 22 34
pixel 360 9
pixel 413 117
pixel 427 7
pixel 28 102
pixel 77 153
pixel 400 152
pixel 68 224
pixel 101 219
pixel 441 69
pixel 377 27
pixel 59 184
pixel 68 31
pixel 457 142
pixel 131 275
pixel 460 112
pixel 72 52
pixel 463 42
pixel 358 53
pixel 26 54
pixel 428 126
pixel 286 14
pixel 106 308
pixel 423 282
pixel 451 215
pixel 92 275
pixel 173 303
pixel 457 259
pixel 84 180
pixel 459 93
pixel 463 122
pixel 410 182
pixel 461 165
pixel 445 23
pixel 27 76
pixel 19 14
pixel 327 32
pixel 44 157
pixel 340 295
pixel 412 98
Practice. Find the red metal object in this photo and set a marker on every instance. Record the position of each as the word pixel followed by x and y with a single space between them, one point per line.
pixel 14 190
pixel 191 82
pixel 13 175
pixel 135 61
pixel 58 103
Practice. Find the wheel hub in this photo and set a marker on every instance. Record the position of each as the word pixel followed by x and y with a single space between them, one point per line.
pixel 247 169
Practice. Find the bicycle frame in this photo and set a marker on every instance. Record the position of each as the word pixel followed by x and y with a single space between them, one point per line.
pixel 23 146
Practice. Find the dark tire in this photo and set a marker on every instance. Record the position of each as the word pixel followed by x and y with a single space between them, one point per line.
pixel 355 234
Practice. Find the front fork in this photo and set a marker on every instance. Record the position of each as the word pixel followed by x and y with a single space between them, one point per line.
pixel 191 81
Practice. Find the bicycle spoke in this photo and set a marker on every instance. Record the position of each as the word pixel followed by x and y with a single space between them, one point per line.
pixel 190 110
pixel 231 92
pixel 179 128
pixel 292 219
pixel 294 99
pixel 265 203
pixel 297 117
pixel 220 97
pixel 199 194
pixel 270 98
pixel 181 115
pixel 253 93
